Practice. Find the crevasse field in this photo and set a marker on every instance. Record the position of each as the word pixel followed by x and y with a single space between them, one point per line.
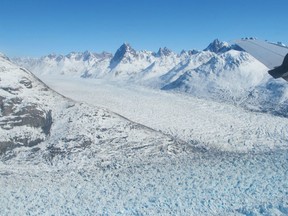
pixel 206 183
pixel 239 165
pixel 198 121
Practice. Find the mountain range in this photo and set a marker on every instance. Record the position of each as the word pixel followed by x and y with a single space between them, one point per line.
pixel 221 72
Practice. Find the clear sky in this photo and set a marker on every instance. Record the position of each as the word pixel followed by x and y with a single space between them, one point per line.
pixel 40 27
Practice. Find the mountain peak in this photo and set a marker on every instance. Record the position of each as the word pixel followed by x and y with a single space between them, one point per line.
pixel 52 56
pixel 124 51
pixel 163 52
pixel 87 55
pixel 218 46
pixel 4 56
pixel 126 47
pixel 103 55
pixel 189 52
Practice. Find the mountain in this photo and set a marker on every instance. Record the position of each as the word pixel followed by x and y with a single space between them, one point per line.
pixel 231 70
pixel 127 62
pixel 124 54
pixel 218 46
pixel 190 61
pixel 234 77
pixel 37 125
pixel 163 52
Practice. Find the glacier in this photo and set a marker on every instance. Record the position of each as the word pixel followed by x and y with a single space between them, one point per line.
pixel 221 72
pixel 143 133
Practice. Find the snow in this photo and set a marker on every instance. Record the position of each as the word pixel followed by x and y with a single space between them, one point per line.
pixel 178 154
pixel 237 166
pixel 225 75
pixel 209 123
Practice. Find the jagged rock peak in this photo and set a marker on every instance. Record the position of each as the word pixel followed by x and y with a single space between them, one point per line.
pixel 80 55
pixel 87 55
pixel 189 52
pixel 163 52
pixel 218 46
pixel 125 48
pixel 123 51
pixel 52 56
pixel 4 56
pixel 103 55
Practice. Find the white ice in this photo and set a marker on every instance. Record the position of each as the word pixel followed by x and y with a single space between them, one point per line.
pixel 214 125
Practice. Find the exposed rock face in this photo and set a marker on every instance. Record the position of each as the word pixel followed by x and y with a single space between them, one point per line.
pixel 163 52
pixel 218 47
pixel 124 53
pixel 28 115
pixel 18 113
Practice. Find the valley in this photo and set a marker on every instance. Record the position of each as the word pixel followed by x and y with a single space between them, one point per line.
pixel 141 133
pixel 210 124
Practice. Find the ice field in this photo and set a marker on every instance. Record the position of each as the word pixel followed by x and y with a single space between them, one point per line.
pixel 237 164
pixel 204 183
pixel 204 122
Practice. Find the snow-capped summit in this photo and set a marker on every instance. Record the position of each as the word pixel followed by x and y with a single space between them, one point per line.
pixel 189 52
pixel 84 56
pixel 124 53
pixel 4 56
pixel 228 75
pixel 163 52
pixel 103 55
pixel 52 56
pixel 87 55
pixel 80 56
pixel 218 46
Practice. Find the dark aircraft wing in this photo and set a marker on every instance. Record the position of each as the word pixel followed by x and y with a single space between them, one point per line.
pixel 274 56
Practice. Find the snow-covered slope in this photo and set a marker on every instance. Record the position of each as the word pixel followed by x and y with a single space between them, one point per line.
pixel 189 62
pixel 231 72
pixel 40 126
pixel 270 96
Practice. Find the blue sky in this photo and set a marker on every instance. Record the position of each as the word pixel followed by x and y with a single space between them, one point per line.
pixel 40 27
